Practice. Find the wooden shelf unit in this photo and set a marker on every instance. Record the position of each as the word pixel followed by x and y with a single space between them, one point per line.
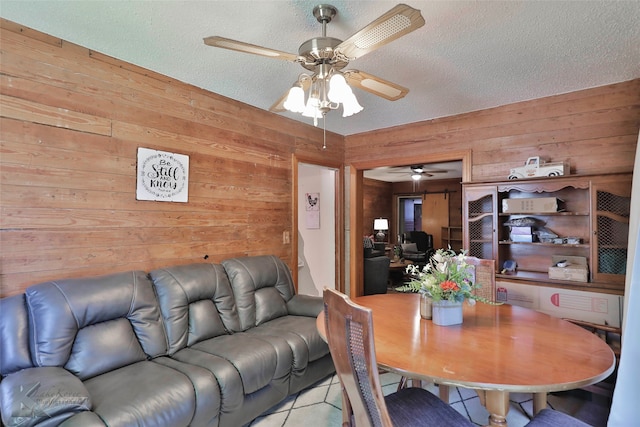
pixel 596 210
pixel 452 236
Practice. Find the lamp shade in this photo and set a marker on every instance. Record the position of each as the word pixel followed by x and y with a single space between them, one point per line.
pixel 381 224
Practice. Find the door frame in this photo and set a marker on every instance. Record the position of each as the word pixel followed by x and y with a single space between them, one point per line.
pixel 296 159
pixel 356 177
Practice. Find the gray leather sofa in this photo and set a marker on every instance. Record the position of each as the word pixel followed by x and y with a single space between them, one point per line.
pixel 190 345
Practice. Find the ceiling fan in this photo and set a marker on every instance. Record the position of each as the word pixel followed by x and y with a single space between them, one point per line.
pixel 326 57
pixel 417 171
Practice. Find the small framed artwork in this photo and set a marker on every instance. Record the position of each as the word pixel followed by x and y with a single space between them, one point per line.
pixel 312 206
pixel 162 176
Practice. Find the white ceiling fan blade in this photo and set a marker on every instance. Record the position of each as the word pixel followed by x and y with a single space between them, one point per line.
pixel 394 24
pixel 238 46
pixel 375 85
pixel 278 106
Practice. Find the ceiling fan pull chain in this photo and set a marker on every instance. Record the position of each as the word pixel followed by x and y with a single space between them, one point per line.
pixel 324 131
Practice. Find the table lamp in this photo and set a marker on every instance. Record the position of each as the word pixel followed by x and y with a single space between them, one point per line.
pixel 381 225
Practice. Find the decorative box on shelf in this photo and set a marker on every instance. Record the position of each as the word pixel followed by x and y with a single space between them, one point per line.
pixel 532 205
pixel 572 268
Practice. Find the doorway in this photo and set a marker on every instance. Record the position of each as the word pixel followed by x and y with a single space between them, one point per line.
pixel 355 202
pixel 409 214
pixel 317 221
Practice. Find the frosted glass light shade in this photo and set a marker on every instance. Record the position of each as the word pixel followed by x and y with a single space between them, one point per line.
pixel 351 106
pixel 295 100
pixel 339 90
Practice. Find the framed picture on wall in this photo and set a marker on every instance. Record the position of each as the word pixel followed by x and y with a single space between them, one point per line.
pixel 312 206
pixel 162 176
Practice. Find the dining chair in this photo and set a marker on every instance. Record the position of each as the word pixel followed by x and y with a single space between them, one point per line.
pixel 612 336
pixel 349 332
pixel 485 274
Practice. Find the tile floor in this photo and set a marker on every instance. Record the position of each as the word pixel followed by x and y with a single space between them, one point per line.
pixel 320 405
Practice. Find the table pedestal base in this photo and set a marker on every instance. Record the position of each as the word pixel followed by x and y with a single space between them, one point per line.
pixel 497 403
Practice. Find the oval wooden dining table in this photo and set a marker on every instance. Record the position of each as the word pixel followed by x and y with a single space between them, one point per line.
pixel 498 349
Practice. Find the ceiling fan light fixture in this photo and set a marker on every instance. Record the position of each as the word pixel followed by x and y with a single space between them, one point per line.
pixel 339 90
pixel 295 100
pixel 325 57
pixel 416 176
pixel 351 106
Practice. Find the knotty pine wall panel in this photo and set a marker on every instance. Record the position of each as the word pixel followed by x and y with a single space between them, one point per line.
pixel 595 130
pixel 71 121
pixel 377 203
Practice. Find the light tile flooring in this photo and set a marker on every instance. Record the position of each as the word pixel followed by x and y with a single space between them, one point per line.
pixel 320 405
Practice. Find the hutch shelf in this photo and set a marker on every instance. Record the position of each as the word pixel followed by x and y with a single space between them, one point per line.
pixel 592 222
pixel 452 237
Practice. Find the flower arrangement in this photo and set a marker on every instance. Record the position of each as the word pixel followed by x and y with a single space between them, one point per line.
pixel 445 277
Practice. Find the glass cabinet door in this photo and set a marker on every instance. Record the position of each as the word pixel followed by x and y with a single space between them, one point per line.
pixel 611 200
pixel 480 217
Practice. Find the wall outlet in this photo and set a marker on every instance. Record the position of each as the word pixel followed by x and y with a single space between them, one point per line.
pixel 285 238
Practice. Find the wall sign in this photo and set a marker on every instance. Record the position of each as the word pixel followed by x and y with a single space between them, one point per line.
pixel 162 176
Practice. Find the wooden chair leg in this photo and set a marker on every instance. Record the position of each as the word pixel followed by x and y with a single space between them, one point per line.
pixel 404 383
pixel 443 392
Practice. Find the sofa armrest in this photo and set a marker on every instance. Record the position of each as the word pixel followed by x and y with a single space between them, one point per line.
pixel 33 395
pixel 305 305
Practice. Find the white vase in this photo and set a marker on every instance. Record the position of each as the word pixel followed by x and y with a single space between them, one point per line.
pixel 446 313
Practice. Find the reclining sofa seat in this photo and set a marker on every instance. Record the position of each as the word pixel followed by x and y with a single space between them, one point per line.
pixel 103 351
pixel 268 307
pixel 92 342
pixel 219 325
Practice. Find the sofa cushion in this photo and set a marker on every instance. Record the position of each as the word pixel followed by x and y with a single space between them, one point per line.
pixel 144 393
pixel 95 325
pixel 261 285
pixel 301 333
pixel 14 335
pixel 196 303
pixel 240 366
pixel 258 361
pixel 206 388
pixel 409 247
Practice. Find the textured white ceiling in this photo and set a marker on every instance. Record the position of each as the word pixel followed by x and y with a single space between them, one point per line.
pixel 469 55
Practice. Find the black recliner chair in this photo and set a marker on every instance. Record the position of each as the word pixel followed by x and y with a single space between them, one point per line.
pixel 424 247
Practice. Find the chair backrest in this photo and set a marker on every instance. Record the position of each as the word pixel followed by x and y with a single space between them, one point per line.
pixel 95 325
pixel 349 330
pixel 196 302
pixel 485 275
pixel 262 285
pixel 423 240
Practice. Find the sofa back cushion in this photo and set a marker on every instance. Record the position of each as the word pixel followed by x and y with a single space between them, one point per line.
pixel 261 285
pixel 94 325
pixel 14 335
pixel 196 303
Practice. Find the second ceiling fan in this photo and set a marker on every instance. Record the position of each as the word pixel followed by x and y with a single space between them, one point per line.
pixel 326 57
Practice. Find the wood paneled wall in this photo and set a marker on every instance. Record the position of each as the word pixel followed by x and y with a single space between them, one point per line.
pixel 595 130
pixel 71 122
pixel 377 203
